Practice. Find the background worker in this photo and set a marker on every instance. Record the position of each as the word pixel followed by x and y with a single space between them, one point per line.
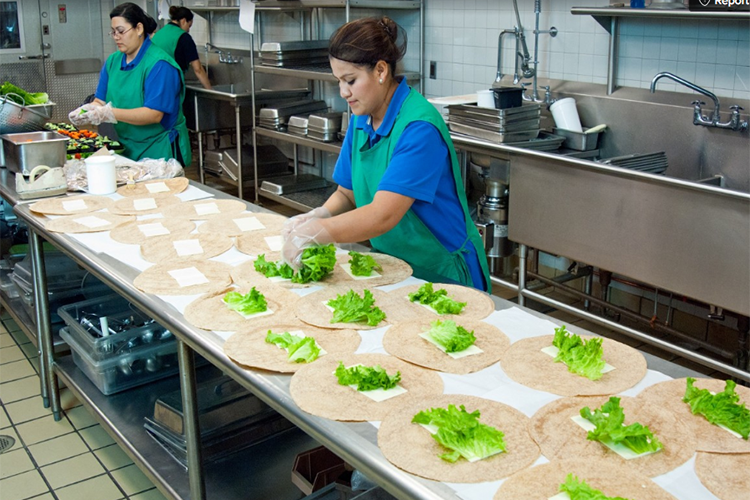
pixel 174 38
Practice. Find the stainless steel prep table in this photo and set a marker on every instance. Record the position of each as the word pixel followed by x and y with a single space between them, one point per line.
pixel 354 442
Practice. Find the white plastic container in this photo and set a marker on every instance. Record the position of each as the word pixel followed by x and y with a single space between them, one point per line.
pixel 565 114
pixel 100 172
pixel 485 99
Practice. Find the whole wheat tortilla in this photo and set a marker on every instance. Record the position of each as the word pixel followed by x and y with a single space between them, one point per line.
pixel 711 438
pixel 188 210
pixel 543 481
pixel 210 313
pixel 312 309
pixel 479 305
pixel 55 206
pixel 559 437
pixel 316 389
pixel 131 233
pixel 254 243
pixel 246 276
pixel 175 185
pixel 68 224
pixel 226 225
pixel 157 280
pixel 250 348
pixel 411 447
pixel 126 206
pixel 403 341
pixel 162 249
pixel 725 475
pixel 394 270
pixel 525 363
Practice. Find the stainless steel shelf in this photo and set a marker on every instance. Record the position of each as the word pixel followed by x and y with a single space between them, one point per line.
pixel 331 147
pixel 276 5
pixel 304 201
pixel 604 15
pixel 15 308
pixel 259 472
pixel 319 73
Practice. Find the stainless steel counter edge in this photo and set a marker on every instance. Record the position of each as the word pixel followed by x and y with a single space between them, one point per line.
pixel 345 439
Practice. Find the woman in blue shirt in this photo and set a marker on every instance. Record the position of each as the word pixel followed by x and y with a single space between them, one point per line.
pixel 398 175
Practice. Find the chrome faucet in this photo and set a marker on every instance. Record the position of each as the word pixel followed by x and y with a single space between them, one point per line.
pixel 226 58
pixel 734 123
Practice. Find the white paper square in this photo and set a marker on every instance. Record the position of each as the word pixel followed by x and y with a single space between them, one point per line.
pixel 188 247
pixel 92 221
pixel 157 187
pixel 275 243
pixel 153 229
pixel 188 276
pixel 144 204
pixel 74 205
pixel 206 208
pixel 249 224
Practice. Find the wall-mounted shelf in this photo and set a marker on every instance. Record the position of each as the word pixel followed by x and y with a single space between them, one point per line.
pixel 605 15
pixel 317 73
pixel 330 147
pixel 314 4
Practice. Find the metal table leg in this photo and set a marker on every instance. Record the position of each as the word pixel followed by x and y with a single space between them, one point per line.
pixel 523 251
pixel 44 332
pixel 240 179
pixel 190 414
pixel 201 175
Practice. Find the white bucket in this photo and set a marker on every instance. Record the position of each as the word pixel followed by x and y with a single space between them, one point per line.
pixel 100 172
pixel 485 99
pixel 565 114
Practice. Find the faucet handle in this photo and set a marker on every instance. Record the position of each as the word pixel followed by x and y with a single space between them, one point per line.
pixel 736 108
pixel 698 103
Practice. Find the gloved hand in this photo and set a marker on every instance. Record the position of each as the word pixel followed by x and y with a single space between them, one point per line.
pixel 93 113
pixel 310 232
pixel 293 222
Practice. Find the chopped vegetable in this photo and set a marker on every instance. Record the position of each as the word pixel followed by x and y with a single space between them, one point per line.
pixel 23 97
pixel 577 489
pixel 450 336
pixel 351 308
pixel 438 300
pixel 362 265
pixel 462 433
pixel 609 420
pixel 273 269
pixel 581 356
pixel 723 408
pixel 300 349
pixel 250 303
pixel 367 378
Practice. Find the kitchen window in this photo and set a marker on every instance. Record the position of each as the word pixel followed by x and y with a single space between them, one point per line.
pixel 11 27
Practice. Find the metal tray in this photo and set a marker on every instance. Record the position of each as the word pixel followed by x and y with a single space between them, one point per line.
pixel 292 108
pixel 524 124
pixel 545 142
pixel 521 135
pixel 328 122
pixel 15 118
pixel 298 121
pixel 293 46
pixel 580 141
pixel 489 113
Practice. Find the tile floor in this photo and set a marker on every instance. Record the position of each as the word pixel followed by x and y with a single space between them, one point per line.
pixel 73 459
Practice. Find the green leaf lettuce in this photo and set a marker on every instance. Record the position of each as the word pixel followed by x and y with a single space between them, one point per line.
pixel 450 336
pixel 609 420
pixel 367 378
pixel 723 408
pixel 300 349
pixel 577 489
pixel 438 300
pixel 351 308
pixel 250 303
pixel 583 357
pixel 26 98
pixel 362 265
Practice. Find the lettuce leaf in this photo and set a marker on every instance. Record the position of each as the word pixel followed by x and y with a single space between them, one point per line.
pixel 609 420
pixel 367 378
pixel 250 303
pixel 26 98
pixel 581 356
pixel 450 336
pixel 462 433
pixel 300 349
pixel 351 308
pixel 438 300
pixel 273 269
pixel 577 489
pixel 362 265
pixel 722 408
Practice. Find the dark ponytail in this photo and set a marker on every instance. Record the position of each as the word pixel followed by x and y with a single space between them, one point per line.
pixel 366 41
pixel 133 14
pixel 177 13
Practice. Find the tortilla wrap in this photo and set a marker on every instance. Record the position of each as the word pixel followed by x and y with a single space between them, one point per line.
pixel 157 280
pixel 69 223
pixel 560 438
pixel 204 209
pixel 412 448
pixel 210 313
pixel 710 437
pixel 254 243
pixel 403 341
pixel 725 475
pixel 316 389
pixel 246 276
pixel 479 304
pixel 312 309
pixel 174 185
pixel 132 234
pixel 57 206
pixel 525 363
pixel 162 248
pixel 394 270
pixel 249 348
pixel 543 481
pixel 232 224
pixel 129 205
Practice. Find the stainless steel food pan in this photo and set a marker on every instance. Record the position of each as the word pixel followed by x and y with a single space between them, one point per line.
pixel 521 135
pixel 293 46
pixel 26 150
pixel 327 122
pixel 580 141
pixel 526 124
pixel 292 108
pixel 298 122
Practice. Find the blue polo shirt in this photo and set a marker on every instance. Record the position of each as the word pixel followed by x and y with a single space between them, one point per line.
pixel 420 168
pixel 161 89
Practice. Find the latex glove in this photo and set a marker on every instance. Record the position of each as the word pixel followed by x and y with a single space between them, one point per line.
pixel 93 113
pixel 293 222
pixel 309 233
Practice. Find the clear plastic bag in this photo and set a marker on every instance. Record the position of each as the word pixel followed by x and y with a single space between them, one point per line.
pixel 126 171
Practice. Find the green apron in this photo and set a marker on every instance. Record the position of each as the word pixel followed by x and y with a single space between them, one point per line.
pixel 125 89
pixel 410 239
pixel 167 37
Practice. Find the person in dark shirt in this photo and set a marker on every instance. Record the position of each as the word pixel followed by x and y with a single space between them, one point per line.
pixel 174 39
